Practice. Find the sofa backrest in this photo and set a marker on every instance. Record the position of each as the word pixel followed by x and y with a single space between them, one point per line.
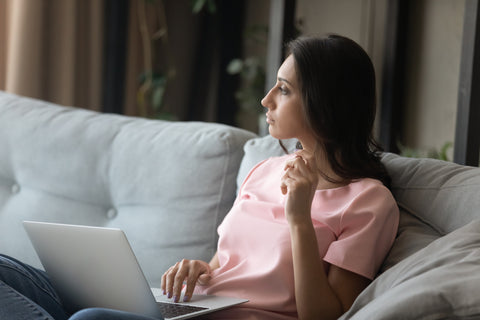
pixel 166 184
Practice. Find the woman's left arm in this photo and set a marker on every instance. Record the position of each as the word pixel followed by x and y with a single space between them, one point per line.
pixel 318 295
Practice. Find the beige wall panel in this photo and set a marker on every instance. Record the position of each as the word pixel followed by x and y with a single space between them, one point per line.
pixel 433 66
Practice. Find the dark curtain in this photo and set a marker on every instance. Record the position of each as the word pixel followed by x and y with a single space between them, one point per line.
pixel 200 46
pixel 212 96
pixel 116 19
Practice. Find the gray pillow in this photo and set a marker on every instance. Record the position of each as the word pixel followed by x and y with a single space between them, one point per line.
pixel 413 235
pixel 442 194
pixel 440 281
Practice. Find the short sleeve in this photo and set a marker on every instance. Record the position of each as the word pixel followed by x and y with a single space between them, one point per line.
pixel 366 232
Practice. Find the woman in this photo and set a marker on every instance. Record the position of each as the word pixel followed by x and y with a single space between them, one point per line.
pixel 308 231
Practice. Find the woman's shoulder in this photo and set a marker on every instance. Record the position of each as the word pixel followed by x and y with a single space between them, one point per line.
pixel 373 196
pixel 370 185
pixel 358 187
pixel 371 190
pixel 359 193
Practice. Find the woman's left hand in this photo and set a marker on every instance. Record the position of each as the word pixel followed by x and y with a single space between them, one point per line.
pixel 299 184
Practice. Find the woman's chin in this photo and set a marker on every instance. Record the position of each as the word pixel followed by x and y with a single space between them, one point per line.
pixel 272 132
pixel 275 134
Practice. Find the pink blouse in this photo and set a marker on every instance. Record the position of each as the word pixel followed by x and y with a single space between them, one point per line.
pixel 355 227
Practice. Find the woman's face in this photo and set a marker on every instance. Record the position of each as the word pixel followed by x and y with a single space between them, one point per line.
pixel 284 103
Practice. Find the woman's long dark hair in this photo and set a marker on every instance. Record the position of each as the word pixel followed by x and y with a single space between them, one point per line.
pixel 337 81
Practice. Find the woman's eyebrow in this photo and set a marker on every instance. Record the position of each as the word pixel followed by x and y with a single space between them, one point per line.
pixel 284 80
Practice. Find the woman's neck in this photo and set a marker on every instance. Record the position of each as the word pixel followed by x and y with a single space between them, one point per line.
pixel 327 178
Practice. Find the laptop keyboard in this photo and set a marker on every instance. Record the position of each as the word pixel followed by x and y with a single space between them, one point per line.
pixel 170 310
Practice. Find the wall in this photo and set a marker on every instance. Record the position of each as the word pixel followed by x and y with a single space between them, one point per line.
pixel 433 67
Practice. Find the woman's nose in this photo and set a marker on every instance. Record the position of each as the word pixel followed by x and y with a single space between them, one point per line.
pixel 266 100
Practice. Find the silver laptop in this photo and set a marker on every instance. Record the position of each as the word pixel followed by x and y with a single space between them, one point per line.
pixel 96 267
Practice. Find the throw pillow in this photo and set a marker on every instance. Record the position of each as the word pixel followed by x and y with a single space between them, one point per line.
pixel 440 281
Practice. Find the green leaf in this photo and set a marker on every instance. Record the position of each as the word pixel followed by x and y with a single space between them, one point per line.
pixel 235 66
pixel 157 97
pixel 197 5
pixel 443 151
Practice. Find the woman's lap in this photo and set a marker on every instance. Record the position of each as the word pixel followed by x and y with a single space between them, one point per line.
pixel 106 314
pixel 26 292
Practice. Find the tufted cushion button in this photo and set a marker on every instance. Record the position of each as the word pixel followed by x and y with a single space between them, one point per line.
pixel 15 188
pixel 112 213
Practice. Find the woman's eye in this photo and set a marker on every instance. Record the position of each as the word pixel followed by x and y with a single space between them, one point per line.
pixel 283 90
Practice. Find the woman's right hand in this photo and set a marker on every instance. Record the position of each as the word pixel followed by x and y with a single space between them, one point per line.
pixel 190 272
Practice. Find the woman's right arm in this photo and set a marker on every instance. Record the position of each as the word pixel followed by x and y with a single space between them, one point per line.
pixel 214 264
pixel 189 271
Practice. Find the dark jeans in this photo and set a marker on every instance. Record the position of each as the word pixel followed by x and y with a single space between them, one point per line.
pixel 27 294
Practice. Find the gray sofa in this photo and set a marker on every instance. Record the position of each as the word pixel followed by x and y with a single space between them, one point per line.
pixel 169 185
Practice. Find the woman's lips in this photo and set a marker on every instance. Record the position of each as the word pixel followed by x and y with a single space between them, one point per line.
pixel 269 120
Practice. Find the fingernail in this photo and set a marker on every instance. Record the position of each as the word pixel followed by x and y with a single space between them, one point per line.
pixel 164 292
pixel 175 299
pixel 169 295
pixel 185 298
